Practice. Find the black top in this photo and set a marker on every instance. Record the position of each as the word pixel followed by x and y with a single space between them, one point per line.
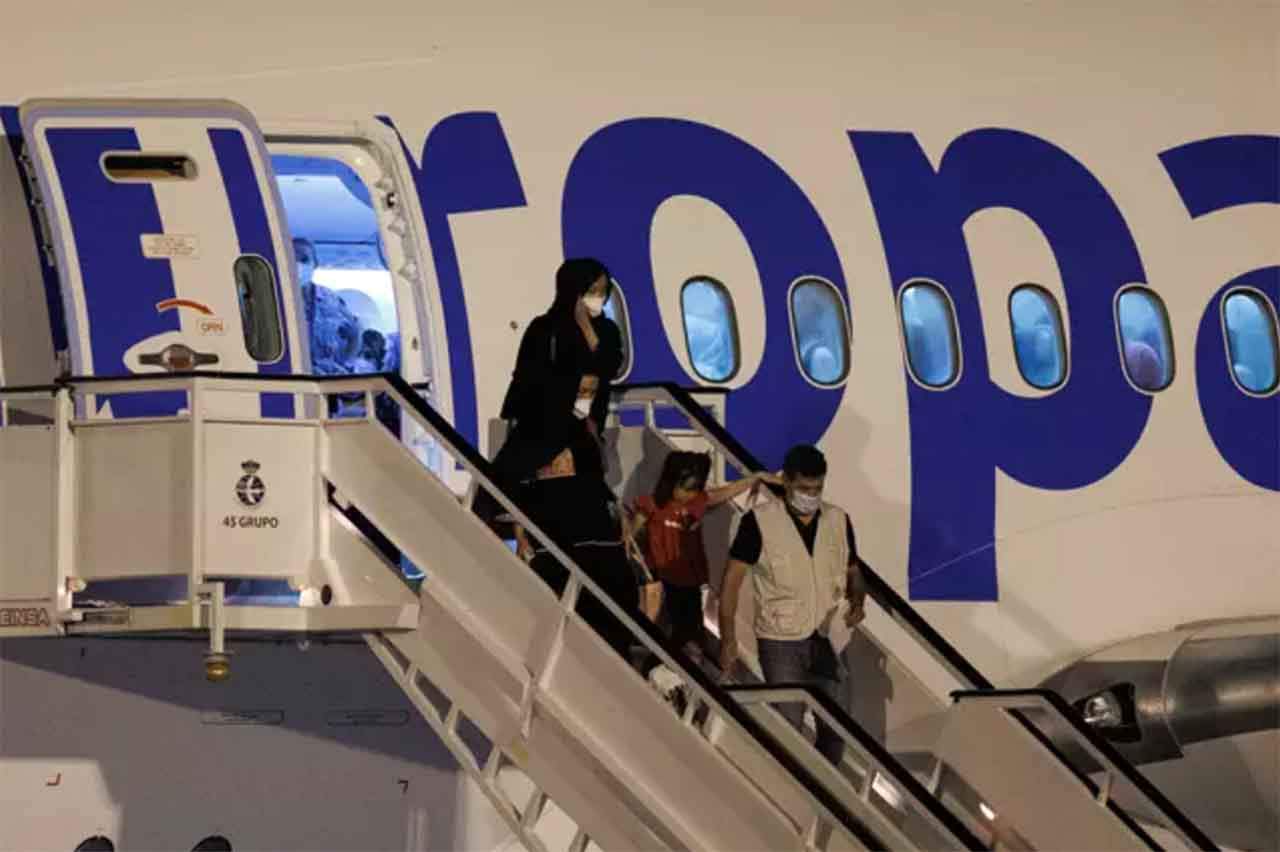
pixel 553 358
pixel 748 544
pixel 572 510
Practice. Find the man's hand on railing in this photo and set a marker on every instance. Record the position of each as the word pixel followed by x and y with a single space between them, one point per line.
pixel 728 658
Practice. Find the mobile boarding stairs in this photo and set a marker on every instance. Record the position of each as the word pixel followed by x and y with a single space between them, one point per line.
pixel 577 749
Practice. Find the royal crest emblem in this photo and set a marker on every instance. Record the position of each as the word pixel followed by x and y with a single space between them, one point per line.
pixel 250 489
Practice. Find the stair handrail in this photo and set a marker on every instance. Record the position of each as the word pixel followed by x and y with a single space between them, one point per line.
pixel 907 617
pixel 710 693
pixel 1096 746
pixel 839 720
pixel 879 589
pixel 17 393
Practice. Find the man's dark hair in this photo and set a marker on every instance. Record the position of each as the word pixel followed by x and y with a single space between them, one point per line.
pixel 804 460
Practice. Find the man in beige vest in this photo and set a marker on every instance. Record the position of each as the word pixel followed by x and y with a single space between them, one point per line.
pixel 803 562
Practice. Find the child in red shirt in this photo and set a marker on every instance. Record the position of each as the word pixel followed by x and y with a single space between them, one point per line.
pixel 673 549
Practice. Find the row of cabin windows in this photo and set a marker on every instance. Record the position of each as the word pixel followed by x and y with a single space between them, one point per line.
pixel 819 329
pixel 98 843
pixel 1039 343
pixel 820 332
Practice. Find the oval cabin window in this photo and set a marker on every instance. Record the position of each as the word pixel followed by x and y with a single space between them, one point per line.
pixel 615 308
pixel 820 331
pixel 1146 343
pixel 1039 344
pixel 259 310
pixel 1249 324
pixel 929 334
pixel 710 329
pixel 98 843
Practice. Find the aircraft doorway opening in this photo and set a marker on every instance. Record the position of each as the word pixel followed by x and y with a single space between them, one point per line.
pixel 347 293
pixel 358 319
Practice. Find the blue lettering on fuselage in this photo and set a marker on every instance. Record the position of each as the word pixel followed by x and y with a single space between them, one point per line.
pixel 959 437
pixel 467 166
pixel 9 122
pixel 1212 175
pixel 617 181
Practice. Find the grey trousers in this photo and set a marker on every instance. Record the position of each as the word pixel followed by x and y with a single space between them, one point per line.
pixel 810 662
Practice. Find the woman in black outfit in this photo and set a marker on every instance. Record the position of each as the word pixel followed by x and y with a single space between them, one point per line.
pixel 552 460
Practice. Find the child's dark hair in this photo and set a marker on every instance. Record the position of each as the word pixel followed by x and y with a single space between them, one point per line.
pixel 680 467
pixel 804 460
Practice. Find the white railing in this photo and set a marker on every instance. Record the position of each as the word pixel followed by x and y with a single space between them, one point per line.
pixel 204 610
pixel 882 782
pixel 932 660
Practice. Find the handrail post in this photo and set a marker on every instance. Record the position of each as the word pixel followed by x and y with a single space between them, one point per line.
pixel 64 500
pixel 202 593
pixel 323 537
pixel 195 573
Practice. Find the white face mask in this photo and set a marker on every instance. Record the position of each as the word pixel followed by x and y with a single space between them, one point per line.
pixel 582 407
pixel 805 504
pixel 594 305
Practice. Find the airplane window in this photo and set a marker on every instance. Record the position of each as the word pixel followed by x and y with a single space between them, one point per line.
pixel 1145 338
pixel 214 843
pixel 259 311
pixel 615 308
pixel 96 844
pixel 1250 324
pixel 1038 339
pixel 929 328
pixel 710 328
pixel 133 168
pixel 819 331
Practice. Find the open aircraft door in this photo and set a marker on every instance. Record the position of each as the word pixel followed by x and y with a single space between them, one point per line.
pixel 372 305
pixel 170 246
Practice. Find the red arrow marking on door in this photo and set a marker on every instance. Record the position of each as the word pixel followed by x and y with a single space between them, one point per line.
pixel 170 304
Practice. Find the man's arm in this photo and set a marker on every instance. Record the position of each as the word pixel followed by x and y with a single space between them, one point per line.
pixel 743 553
pixel 857 586
pixel 729 590
pixel 856 582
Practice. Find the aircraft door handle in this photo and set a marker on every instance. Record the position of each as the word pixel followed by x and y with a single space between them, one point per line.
pixel 178 358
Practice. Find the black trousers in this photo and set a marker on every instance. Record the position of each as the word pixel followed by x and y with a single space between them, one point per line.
pixel 606 564
pixel 682 607
pixel 681 618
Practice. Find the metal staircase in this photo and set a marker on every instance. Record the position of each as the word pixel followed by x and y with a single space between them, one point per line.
pixel 1007 763
pixel 568 742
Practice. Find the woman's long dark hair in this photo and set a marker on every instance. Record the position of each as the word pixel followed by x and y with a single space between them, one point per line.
pixel 679 467
pixel 573 279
